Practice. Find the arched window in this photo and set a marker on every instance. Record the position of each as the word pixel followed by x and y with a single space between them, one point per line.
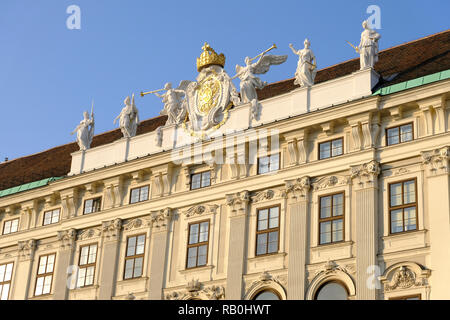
pixel 267 295
pixel 332 291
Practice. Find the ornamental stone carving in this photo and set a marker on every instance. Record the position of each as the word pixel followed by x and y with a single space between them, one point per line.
pixel 201 209
pixel 330 181
pixel 26 249
pixel 263 195
pixel 266 281
pixel 238 202
pixel 405 275
pixel 136 223
pixel 161 219
pixel 89 233
pixel 111 229
pixel 67 238
pixel 437 159
pixel 366 173
pixel 195 289
pixel 297 188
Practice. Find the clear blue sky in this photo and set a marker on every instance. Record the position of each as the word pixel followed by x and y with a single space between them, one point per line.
pixel 49 74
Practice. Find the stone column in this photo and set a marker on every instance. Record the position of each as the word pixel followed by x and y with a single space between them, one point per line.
pixel 237 213
pixel 23 269
pixel 110 253
pixel 437 209
pixel 158 260
pixel 64 259
pixel 365 183
pixel 297 196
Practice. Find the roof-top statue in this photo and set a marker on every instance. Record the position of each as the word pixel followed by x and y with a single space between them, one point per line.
pixel 250 82
pixel 368 47
pixel 307 65
pixel 129 118
pixel 85 130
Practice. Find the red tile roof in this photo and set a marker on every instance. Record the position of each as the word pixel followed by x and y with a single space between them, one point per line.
pixel 409 60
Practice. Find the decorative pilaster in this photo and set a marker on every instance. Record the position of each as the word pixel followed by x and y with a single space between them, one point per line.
pixel 433 111
pixel 365 182
pixel 437 184
pixel 297 194
pixel 113 192
pixel 296 142
pixel 111 233
pixel 64 259
pixel 23 269
pixel 161 222
pixel 237 212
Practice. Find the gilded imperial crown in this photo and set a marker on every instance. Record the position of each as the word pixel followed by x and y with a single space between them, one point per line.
pixel 209 57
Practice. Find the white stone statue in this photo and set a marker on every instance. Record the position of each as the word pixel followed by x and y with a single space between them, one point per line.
pixel 129 118
pixel 368 47
pixel 306 68
pixel 250 82
pixel 173 102
pixel 85 131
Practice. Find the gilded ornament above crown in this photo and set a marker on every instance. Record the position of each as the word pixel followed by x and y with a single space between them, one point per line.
pixel 209 57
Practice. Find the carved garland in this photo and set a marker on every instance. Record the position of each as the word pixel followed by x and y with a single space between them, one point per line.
pixel 195 289
pixel 201 209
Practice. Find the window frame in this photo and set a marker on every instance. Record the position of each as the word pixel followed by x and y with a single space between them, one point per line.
pixel 3 283
pixel 87 265
pixel 134 257
pixel 201 179
pixel 267 230
pixel 331 218
pixel 337 281
pixel 6 221
pixel 44 275
pixel 331 148
pixel 268 156
pixel 148 194
pixel 48 211
pixel 198 244
pixel 93 199
pixel 403 206
pixel 399 135
pixel 417 295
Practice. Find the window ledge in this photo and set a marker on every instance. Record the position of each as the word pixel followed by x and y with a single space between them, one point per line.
pixel 198 269
pixel 123 281
pixel 332 245
pixel 404 234
pixel 267 256
pixel 48 296
pixel 86 288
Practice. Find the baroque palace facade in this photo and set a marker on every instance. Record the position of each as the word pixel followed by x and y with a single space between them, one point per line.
pixel 345 197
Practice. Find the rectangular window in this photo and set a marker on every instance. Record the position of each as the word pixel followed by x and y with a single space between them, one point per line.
pixel 51 217
pixel 403 206
pixel 92 205
pixel 331 148
pixel 269 164
pixel 139 194
pixel 412 297
pixel 198 241
pixel 200 180
pixel 268 230
pixel 134 258
pixel 11 226
pixel 399 134
pixel 331 218
pixel 5 280
pixel 45 275
pixel 86 265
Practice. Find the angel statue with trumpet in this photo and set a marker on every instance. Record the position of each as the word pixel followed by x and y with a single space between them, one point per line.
pixel 128 118
pixel 85 130
pixel 250 82
pixel 306 68
pixel 173 101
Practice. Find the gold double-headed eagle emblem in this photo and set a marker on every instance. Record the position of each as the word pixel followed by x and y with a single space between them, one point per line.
pixel 208 94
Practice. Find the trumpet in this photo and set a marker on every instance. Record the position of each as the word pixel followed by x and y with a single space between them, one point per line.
pixel 274 46
pixel 145 93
